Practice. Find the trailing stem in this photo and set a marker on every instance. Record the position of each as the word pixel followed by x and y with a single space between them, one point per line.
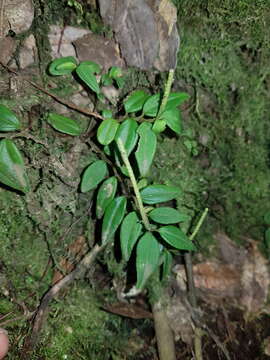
pixel 134 184
pixel 164 334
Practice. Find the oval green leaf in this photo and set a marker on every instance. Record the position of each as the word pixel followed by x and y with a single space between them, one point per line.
pixel 115 72
pixel 105 195
pixel 152 105
pixel 92 66
pixel 106 131
pixel 176 238
pixel 127 133
pixel 166 215
pixel 129 234
pixel 85 73
pixel 159 126
pixel 12 170
pixel 135 101
pixel 8 120
pixel 64 124
pixel 146 148
pixel 172 117
pixel 62 66
pixel 93 175
pixel 147 259
pixel 154 194
pixel 113 217
pixel 176 99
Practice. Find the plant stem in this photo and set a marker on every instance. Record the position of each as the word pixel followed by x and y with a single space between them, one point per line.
pixel 199 224
pixel 134 184
pixel 164 334
pixel 192 291
pixel 166 93
pixel 188 263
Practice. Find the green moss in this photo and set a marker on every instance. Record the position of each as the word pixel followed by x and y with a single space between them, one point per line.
pixel 223 58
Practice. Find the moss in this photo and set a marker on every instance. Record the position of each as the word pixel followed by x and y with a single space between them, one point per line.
pixel 223 58
pixel 78 329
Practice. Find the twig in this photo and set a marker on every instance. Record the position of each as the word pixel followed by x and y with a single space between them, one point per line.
pixel 60 100
pixel 40 314
pixel 24 134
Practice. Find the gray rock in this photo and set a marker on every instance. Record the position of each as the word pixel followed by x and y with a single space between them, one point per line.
pixel 17 16
pixel 96 48
pixel 145 30
pixel 28 52
pixel 61 39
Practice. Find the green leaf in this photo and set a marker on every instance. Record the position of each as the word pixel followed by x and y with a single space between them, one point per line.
pixel 8 120
pixel 127 133
pixel 135 101
pixel 113 217
pixel 167 264
pixel 173 119
pixel 12 170
pixel 152 105
pixel 105 195
pixel 147 259
pixel 159 126
pixel 64 124
pixel 176 99
pixel 166 215
pixel 106 131
pixel 106 80
pixel 176 238
pixel 85 73
pixel 129 234
pixel 107 114
pixel 142 183
pixel 115 72
pixel 146 148
pixel 154 194
pixel 91 66
pixel 120 82
pixel 93 175
pixel 62 66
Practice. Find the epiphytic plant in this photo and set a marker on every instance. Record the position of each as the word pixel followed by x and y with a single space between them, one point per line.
pixel 146 226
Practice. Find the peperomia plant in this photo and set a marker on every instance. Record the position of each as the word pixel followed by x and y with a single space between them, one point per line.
pixel 147 224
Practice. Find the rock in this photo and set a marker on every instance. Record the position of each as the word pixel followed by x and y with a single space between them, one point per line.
pixel 61 40
pixel 18 16
pixel 145 30
pixel 28 52
pixel 7 46
pixel 96 48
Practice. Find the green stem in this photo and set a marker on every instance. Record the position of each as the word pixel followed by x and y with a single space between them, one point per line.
pixel 134 184
pixel 166 93
pixel 199 224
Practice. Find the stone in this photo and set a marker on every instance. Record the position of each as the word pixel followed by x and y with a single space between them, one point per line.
pixel 7 46
pixel 61 40
pixel 28 52
pixel 17 16
pixel 96 48
pixel 146 31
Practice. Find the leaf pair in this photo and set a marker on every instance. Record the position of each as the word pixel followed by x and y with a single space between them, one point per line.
pixel 12 169
pixel 113 209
